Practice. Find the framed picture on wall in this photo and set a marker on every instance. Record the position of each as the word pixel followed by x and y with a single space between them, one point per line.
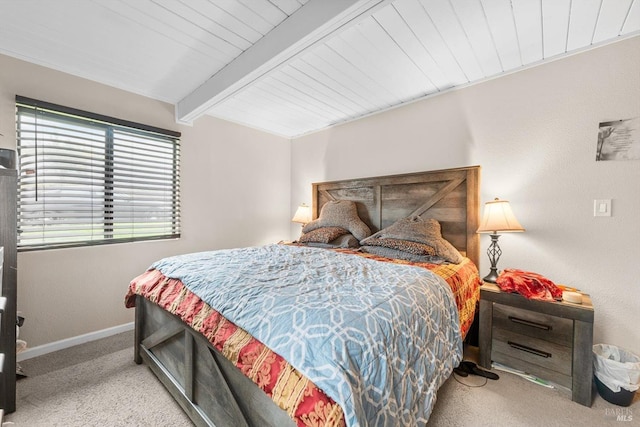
pixel 619 140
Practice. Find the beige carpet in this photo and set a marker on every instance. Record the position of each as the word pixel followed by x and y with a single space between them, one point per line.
pixel 98 384
pixel 94 384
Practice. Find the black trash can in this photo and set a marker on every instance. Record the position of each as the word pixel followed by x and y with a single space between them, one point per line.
pixel 617 373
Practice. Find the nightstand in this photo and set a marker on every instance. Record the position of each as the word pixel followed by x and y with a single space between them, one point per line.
pixel 548 339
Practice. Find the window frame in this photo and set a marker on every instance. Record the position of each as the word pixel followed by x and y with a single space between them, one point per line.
pixel 109 177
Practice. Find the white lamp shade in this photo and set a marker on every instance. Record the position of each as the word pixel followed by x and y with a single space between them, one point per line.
pixel 498 216
pixel 302 215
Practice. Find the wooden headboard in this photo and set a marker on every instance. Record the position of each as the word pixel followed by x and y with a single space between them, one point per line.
pixel 452 196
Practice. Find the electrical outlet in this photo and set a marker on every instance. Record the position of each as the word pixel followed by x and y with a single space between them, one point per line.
pixel 602 207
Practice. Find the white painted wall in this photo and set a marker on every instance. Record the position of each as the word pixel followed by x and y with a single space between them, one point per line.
pixel 235 192
pixel 534 134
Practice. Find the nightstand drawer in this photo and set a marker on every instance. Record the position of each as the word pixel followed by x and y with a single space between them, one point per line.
pixel 538 325
pixel 551 340
pixel 533 351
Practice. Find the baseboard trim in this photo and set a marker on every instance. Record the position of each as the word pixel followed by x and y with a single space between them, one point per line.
pixel 40 350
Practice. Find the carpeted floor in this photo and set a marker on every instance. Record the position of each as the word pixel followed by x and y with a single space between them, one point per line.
pixel 94 384
pixel 98 384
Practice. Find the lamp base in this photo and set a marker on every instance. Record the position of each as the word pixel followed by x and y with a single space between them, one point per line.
pixel 494 253
pixel 492 276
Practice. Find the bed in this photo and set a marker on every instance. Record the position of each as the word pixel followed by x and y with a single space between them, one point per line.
pixel 224 376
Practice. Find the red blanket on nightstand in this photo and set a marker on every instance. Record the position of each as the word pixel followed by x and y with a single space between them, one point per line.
pixel 528 284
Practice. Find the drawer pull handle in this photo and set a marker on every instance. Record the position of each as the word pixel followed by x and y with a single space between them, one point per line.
pixel 529 349
pixel 529 323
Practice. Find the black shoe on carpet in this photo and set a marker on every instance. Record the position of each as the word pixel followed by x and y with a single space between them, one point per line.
pixel 469 368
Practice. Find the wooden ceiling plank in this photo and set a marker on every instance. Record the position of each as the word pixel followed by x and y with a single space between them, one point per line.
pixel 147 58
pixel 364 87
pixel 310 24
pixel 414 14
pixel 298 117
pixel 632 21
pixel 528 18
pixel 279 90
pixel 500 21
pixel 611 19
pixel 321 91
pixel 472 20
pixel 555 26
pixel 325 65
pixel 230 20
pixel 390 19
pixel 262 123
pixel 248 15
pixel 237 111
pixel 329 76
pixel 277 111
pixel 444 19
pixel 266 10
pixel 203 23
pixel 80 59
pixel 317 90
pixel 190 31
pixel 374 59
pixel 287 6
pixel 72 60
pixel 402 71
pixel 584 15
pixel 167 32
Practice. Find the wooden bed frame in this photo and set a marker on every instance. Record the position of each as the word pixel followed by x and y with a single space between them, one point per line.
pixel 210 389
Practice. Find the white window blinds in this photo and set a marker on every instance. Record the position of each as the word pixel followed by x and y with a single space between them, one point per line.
pixel 88 179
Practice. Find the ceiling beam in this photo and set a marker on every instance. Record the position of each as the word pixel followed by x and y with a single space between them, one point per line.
pixel 310 24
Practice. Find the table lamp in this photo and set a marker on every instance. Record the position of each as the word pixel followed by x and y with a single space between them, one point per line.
pixel 302 215
pixel 498 217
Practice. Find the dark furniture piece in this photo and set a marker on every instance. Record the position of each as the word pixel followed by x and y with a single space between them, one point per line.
pixel 551 340
pixel 210 389
pixel 8 239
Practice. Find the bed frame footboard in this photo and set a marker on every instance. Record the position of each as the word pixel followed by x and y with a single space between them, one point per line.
pixel 209 388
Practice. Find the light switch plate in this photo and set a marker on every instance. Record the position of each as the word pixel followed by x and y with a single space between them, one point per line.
pixel 602 207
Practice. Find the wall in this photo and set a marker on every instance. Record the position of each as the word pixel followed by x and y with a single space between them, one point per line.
pixel 235 192
pixel 534 133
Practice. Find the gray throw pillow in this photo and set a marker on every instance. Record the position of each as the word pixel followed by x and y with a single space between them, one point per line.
pixel 340 213
pixel 417 229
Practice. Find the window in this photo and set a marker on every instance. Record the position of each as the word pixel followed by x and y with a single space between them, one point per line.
pixel 87 179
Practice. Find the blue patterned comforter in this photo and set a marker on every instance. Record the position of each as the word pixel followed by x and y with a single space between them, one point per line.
pixel 377 337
